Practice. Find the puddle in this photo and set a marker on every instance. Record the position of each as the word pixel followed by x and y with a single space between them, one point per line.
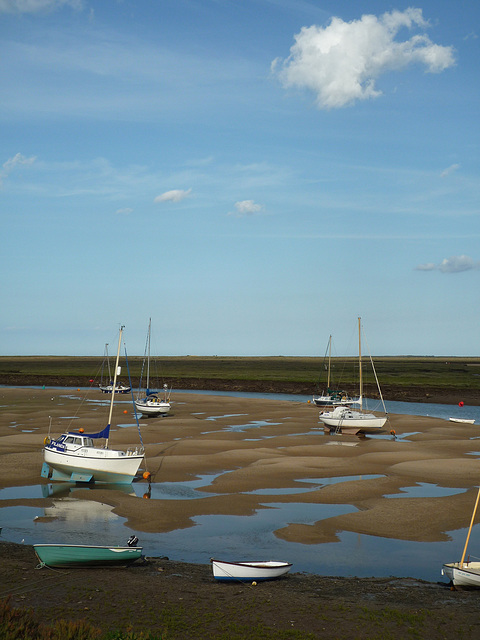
pixel 425 490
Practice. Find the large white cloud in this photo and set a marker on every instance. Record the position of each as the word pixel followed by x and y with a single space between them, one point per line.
pixel 342 61
pixel 454 264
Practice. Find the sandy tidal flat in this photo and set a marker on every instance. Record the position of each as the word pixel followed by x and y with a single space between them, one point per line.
pixel 243 446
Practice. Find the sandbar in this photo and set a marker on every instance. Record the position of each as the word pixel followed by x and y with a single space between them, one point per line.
pixel 241 446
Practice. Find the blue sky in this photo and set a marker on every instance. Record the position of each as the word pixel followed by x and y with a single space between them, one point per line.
pixel 251 174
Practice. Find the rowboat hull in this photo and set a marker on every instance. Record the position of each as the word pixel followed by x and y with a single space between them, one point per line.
pixel 463 420
pixel 73 555
pixel 249 571
pixel 466 575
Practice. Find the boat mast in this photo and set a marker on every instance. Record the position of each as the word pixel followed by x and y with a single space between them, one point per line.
pixel 470 528
pixel 114 381
pixel 329 358
pixel 148 356
pixel 360 359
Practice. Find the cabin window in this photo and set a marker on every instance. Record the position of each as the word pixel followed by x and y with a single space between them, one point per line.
pixel 69 440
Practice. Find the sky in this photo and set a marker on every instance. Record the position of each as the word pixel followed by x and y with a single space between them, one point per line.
pixel 252 175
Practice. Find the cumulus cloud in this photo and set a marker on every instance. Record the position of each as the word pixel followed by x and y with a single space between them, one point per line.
pixel 36 6
pixel 449 170
pixel 17 160
pixel 341 62
pixel 246 208
pixel 175 195
pixel 455 264
pixel 124 212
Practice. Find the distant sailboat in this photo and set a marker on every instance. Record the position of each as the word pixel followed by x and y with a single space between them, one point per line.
pixel 107 387
pixel 151 404
pixel 333 396
pixel 343 419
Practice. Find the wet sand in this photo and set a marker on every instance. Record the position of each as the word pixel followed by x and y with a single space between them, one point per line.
pixel 249 444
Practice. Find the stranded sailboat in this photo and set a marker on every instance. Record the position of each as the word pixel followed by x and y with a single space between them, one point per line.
pixel 464 574
pixel 73 457
pixel 332 396
pixel 346 419
pixel 108 387
pixel 151 404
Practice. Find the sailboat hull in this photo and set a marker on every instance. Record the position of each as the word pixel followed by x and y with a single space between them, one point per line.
pixel 94 465
pixel 344 418
pixel 466 575
pixel 73 555
pixel 149 406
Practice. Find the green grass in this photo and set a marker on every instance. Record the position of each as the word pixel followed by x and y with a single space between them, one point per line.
pixel 401 372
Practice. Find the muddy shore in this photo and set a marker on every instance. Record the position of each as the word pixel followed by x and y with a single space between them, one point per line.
pixel 183 601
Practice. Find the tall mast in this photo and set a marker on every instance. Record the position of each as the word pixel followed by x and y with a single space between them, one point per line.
pixel 470 529
pixel 360 357
pixel 114 380
pixel 329 358
pixel 148 355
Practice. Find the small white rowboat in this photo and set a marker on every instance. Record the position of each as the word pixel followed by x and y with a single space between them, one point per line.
pixel 249 571
pixel 464 420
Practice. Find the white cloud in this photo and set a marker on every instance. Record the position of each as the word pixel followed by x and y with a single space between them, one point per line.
pixel 454 264
pixel 341 62
pixel 175 195
pixel 12 163
pixel 125 212
pixel 449 170
pixel 246 208
pixel 36 6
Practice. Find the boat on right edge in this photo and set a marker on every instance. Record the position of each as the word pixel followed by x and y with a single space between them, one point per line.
pixel 464 574
pixel 344 419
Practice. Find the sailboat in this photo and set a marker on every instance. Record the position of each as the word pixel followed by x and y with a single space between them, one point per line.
pixel 73 457
pixel 464 574
pixel 151 404
pixel 346 419
pixel 109 386
pixel 333 396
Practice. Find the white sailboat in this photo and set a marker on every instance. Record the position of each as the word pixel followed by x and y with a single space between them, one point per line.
pixel 73 457
pixel 345 419
pixel 464 574
pixel 151 404
pixel 108 387
pixel 333 396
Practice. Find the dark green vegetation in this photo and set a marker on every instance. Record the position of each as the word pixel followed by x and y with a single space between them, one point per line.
pixel 412 378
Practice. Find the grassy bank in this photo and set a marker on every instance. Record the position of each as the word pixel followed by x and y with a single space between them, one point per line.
pixel 305 373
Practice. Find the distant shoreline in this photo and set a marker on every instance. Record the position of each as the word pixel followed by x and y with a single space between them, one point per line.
pixel 389 392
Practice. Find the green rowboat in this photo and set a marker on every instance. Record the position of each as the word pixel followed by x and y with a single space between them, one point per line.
pixel 80 555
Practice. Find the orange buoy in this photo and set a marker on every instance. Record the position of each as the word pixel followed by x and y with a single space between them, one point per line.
pixel 81 430
pixel 125 411
pixel 146 475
